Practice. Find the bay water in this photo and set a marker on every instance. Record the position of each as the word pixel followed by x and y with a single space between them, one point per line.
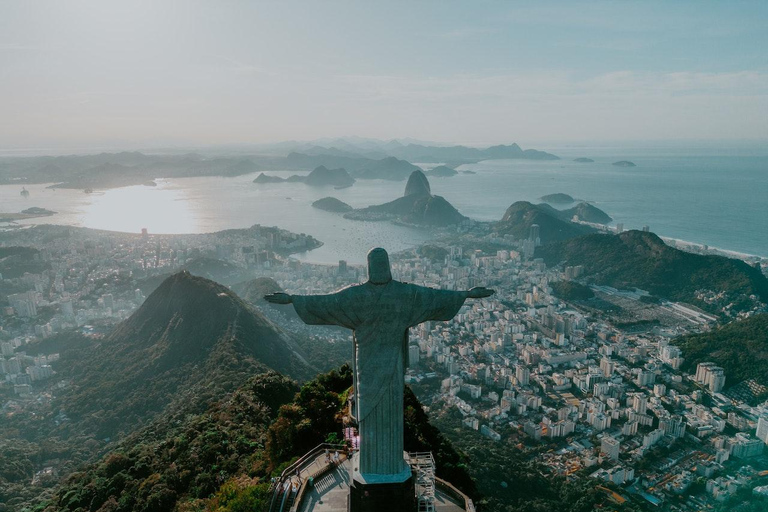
pixel 703 196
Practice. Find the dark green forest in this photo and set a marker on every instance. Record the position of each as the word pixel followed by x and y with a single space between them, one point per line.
pixel 222 460
pixel 571 290
pixel 740 347
pixel 636 259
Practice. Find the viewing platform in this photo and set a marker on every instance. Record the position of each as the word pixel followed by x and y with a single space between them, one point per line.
pixel 320 482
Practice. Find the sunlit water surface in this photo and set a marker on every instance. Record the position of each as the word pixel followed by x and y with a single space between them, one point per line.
pixel 718 200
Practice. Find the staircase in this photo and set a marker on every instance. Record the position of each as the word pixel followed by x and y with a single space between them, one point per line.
pixel 423 464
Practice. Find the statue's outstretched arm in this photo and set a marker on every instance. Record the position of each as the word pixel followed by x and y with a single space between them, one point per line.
pixel 440 305
pixel 479 292
pixel 278 298
pixel 336 308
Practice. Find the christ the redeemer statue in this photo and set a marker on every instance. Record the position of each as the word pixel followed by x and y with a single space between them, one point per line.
pixel 380 312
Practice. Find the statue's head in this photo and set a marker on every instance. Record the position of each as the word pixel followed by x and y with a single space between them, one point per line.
pixel 378 266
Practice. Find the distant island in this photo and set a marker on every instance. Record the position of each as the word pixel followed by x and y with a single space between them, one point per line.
pixel 265 178
pixel 389 168
pixel 38 211
pixel 558 198
pixel 624 163
pixel 29 213
pixel 319 177
pixel 583 160
pixel 417 206
pixel 331 204
pixel 442 171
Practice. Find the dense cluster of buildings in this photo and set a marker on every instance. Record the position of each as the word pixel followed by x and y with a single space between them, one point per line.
pixel 520 367
pixel 526 367
pixel 89 278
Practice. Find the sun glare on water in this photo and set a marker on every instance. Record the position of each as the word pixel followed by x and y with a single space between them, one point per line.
pixel 160 209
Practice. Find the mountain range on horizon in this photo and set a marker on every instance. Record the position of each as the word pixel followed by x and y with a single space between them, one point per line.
pixel 392 161
pixel 342 145
pixel 422 153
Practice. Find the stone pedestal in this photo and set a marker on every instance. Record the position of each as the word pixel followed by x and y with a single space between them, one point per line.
pixel 382 497
pixel 382 493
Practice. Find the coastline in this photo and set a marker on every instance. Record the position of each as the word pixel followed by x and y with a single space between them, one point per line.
pixel 9 218
pixel 688 245
pixel 199 199
pixel 708 249
pixel 683 245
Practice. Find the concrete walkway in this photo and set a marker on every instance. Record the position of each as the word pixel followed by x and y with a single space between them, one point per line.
pixel 330 492
pixel 443 503
pixel 295 484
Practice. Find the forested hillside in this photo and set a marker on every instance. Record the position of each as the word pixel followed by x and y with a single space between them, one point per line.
pixel 636 259
pixel 740 347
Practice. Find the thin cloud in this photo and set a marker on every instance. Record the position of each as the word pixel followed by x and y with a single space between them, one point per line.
pixel 10 47
pixel 628 45
pixel 745 83
pixel 617 83
pixel 468 32
pixel 242 68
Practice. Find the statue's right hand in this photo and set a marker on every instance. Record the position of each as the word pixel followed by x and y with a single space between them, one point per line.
pixel 278 298
pixel 480 292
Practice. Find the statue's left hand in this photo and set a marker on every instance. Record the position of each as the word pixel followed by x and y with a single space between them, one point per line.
pixel 479 292
pixel 278 298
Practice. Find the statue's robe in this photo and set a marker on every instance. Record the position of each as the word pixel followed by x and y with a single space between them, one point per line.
pixel 380 316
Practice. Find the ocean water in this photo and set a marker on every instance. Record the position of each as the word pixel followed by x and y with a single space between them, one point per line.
pixel 719 199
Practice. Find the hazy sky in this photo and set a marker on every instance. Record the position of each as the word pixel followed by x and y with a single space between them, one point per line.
pixel 76 74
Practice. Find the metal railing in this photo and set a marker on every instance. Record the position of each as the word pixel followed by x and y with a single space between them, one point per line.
pixel 456 494
pixel 305 488
pixel 276 484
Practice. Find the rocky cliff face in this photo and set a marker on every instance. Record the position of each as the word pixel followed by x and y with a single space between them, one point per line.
pixel 417 206
pixel 418 184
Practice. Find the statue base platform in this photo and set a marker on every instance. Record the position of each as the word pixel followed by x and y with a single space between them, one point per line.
pixel 341 489
pixel 382 493
pixel 382 497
